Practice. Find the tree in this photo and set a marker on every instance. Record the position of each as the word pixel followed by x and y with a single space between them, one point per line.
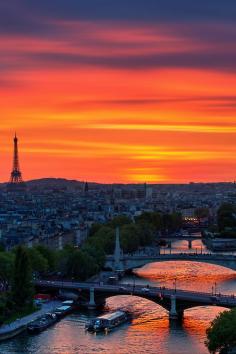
pixel 145 217
pixel 49 255
pixel 145 233
pixel 6 269
pixel 172 222
pixel 226 216
pixel 81 265
pixel 157 221
pixel 221 336
pixel 94 228
pixel 97 253
pixel 22 289
pixel 38 262
pixel 103 239
pixel 129 238
pixel 120 220
pixel 201 213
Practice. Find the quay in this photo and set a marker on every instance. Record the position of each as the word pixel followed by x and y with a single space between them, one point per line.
pixel 11 330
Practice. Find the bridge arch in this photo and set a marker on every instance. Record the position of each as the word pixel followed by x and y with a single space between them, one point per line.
pixel 163 304
pixel 212 306
pixel 190 242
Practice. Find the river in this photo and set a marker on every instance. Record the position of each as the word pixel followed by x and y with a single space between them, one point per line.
pixel 149 331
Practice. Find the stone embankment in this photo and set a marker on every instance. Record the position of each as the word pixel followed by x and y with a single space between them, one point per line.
pixel 13 329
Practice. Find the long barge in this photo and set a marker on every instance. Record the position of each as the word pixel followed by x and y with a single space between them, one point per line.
pixel 42 323
pixel 107 322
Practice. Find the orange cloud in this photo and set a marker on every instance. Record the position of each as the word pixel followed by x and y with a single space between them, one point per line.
pixel 81 109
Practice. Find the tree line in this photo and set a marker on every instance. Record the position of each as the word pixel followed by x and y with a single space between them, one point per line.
pixel 226 220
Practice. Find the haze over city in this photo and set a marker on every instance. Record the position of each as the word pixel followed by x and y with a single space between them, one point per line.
pixel 125 91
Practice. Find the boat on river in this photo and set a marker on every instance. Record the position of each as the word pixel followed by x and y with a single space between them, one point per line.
pixel 42 323
pixel 107 322
pixel 63 310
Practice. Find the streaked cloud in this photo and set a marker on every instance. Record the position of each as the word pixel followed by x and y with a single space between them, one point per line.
pixel 170 128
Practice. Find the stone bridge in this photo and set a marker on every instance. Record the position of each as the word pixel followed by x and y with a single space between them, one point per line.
pixel 175 301
pixel 128 262
pixel 189 239
pixel 124 262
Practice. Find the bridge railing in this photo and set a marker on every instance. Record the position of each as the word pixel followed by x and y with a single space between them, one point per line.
pixel 162 288
pixel 130 287
pixel 172 255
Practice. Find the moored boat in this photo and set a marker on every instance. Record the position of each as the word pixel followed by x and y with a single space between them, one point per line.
pixel 107 322
pixel 63 310
pixel 72 303
pixel 42 323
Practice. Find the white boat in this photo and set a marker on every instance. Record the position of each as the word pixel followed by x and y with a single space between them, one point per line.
pixel 107 322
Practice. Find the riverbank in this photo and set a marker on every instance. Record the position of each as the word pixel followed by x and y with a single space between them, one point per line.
pixel 16 327
pixel 220 244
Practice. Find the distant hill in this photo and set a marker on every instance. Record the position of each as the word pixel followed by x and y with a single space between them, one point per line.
pixel 53 182
pixel 58 183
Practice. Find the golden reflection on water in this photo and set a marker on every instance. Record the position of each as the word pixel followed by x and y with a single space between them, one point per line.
pixel 189 275
pixel 197 320
pixel 151 322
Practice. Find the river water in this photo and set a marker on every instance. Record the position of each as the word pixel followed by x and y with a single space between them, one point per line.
pixel 149 331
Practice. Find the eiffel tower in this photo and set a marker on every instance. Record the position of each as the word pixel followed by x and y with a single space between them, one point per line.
pixel 16 182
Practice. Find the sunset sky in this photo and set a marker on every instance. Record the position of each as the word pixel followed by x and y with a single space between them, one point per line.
pixel 119 91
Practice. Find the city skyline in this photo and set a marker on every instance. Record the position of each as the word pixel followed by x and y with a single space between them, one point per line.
pixel 128 92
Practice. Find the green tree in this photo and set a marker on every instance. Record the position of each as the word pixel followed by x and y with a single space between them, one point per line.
pixel 221 336
pixel 103 239
pixel 157 221
pixel 120 220
pixel 62 257
pixel 38 262
pixel 7 306
pixel 145 217
pixel 226 216
pixel 94 228
pixel 22 289
pixel 201 213
pixel 97 253
pixel 129 238
pixel 2 248
pixel 6 269
pixel 145 233
pixel 81 265
pixel 172 222
pixel 49 255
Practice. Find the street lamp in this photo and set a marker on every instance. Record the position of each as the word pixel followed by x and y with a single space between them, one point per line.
pixel 175 284
pixel 133 283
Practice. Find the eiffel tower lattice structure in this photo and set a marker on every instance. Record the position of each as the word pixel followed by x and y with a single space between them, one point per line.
pixel 16 182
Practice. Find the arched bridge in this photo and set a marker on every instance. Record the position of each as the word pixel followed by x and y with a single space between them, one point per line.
pixel 189 239
pixel 127 262
pixel 173 300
